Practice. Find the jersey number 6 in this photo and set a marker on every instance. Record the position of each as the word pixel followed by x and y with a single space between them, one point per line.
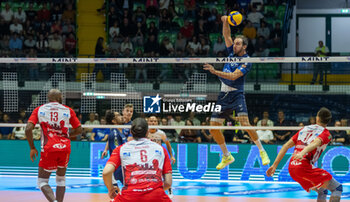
pixel 143 155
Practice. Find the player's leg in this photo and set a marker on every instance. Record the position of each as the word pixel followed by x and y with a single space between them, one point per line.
pixel 60 183
pixel 321 194
pixel 335 187
pixel 43 184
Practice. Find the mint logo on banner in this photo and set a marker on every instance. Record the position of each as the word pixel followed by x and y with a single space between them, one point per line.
pixel 151 104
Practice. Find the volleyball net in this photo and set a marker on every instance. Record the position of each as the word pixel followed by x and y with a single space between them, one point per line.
pixel 171 87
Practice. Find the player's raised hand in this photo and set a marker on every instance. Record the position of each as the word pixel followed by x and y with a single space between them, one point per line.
pixel 224 18
pixel 111 193
pixel 271 171
pixel 173 160
pixel 209 68
pixel 33 154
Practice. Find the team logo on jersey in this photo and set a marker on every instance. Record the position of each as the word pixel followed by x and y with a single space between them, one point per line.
pixel 65 115
pixel 158 152
pixel 151 104
pixel 59 146
pixel 41 113
pixel 126 154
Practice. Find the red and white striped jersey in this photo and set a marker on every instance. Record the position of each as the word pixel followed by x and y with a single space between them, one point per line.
pixel 306 135
pixel 144 163
pixel 54 119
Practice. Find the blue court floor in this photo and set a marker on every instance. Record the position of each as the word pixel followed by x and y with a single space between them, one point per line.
pixel 210 188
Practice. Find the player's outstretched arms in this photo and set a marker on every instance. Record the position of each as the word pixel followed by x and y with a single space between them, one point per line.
pixel 279 157
pixel 225 75
pixel 226 31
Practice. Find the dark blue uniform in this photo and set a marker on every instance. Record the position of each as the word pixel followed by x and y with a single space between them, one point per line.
pixel 233 99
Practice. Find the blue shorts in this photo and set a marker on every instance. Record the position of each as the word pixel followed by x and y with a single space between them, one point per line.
pixel 230 101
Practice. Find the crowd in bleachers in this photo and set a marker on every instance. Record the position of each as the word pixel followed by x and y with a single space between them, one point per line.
pixel 341 137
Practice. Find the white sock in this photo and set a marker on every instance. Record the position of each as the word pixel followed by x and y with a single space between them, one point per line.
pixel 258 143
pixel 224 149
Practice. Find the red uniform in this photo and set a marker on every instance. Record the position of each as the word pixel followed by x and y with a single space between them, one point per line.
pixel 144 163
pixel 304 172
pixel 54 119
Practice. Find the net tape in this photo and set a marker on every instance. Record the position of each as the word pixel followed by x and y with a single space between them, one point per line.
pixel 179 60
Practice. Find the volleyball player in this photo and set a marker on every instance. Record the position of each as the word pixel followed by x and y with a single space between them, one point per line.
pixel 54 119
pixel 158 136
pixel 231 96
pixel 309 144
pixel 146 168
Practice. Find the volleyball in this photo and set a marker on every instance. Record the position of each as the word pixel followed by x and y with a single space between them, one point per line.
pixel 234 18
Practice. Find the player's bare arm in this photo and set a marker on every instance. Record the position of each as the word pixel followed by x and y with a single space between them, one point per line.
pixel 279 157
pixel 107 179
pixel 225 75
pixel 75 131
pixel 104 153
pixel 168 180
pixel 226 31
pixel 314 144
pixel 29 134
pixel 168 146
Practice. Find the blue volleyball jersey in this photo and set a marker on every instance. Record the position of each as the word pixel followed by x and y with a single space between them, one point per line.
pixel 115 138
pixel 231 67
pixel 127 131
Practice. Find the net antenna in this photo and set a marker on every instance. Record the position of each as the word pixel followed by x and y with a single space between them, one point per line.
pixel 57 81
pixel 10 86
pixel 88 87
pixel 120 84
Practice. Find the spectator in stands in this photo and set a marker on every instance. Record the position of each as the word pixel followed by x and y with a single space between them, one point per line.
pixel 5 132
pixel 255 17
pixel 204 134
pixel 56 27
pixel 127 29
pixel 178 122
pixel 33 67
pixel 139 16
pixel 112 16
pixel 255 121
pixel 29 43
pixel 152 8
pixel 263 30
pixel 214 20
pixel 281 135
pixel 68 27
pixel 7 14
pixel 126 4
pixel 115 45
pixel 44 14
pixel 100 134
pixel 30 12
pixel 152 30
pixel 126 44
pixel 219 46
pixel 167 47
pixel 189 135
pixel 42 44
pixel 15 43
pixel 249 31
pixel 205 48
pixel 261 48
pixel 69 13
pixel 266 117
pixel 16 27
pixel 200 29
pixel 56 45
pixel 70 43
pixel 18 133
pixel 339 136
pixel 5 43
pixel 28 29
pixel 140 68
pixel 56 13
pixel 312 120
pixel 276 34
pixel 114 30
pixel 180 43
pixel 344 123
pixel 194 120
pixel 22 115
pixel 100 52
pixel 20 15
pixel 170 133
pixel 164 20
pixel 138 40
pixel 194 44
pixel 265 135
pixel 190 9
pixel 320 51
pixel 301 124
pixel 43 29
pixel 187 30
pixel 92 121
